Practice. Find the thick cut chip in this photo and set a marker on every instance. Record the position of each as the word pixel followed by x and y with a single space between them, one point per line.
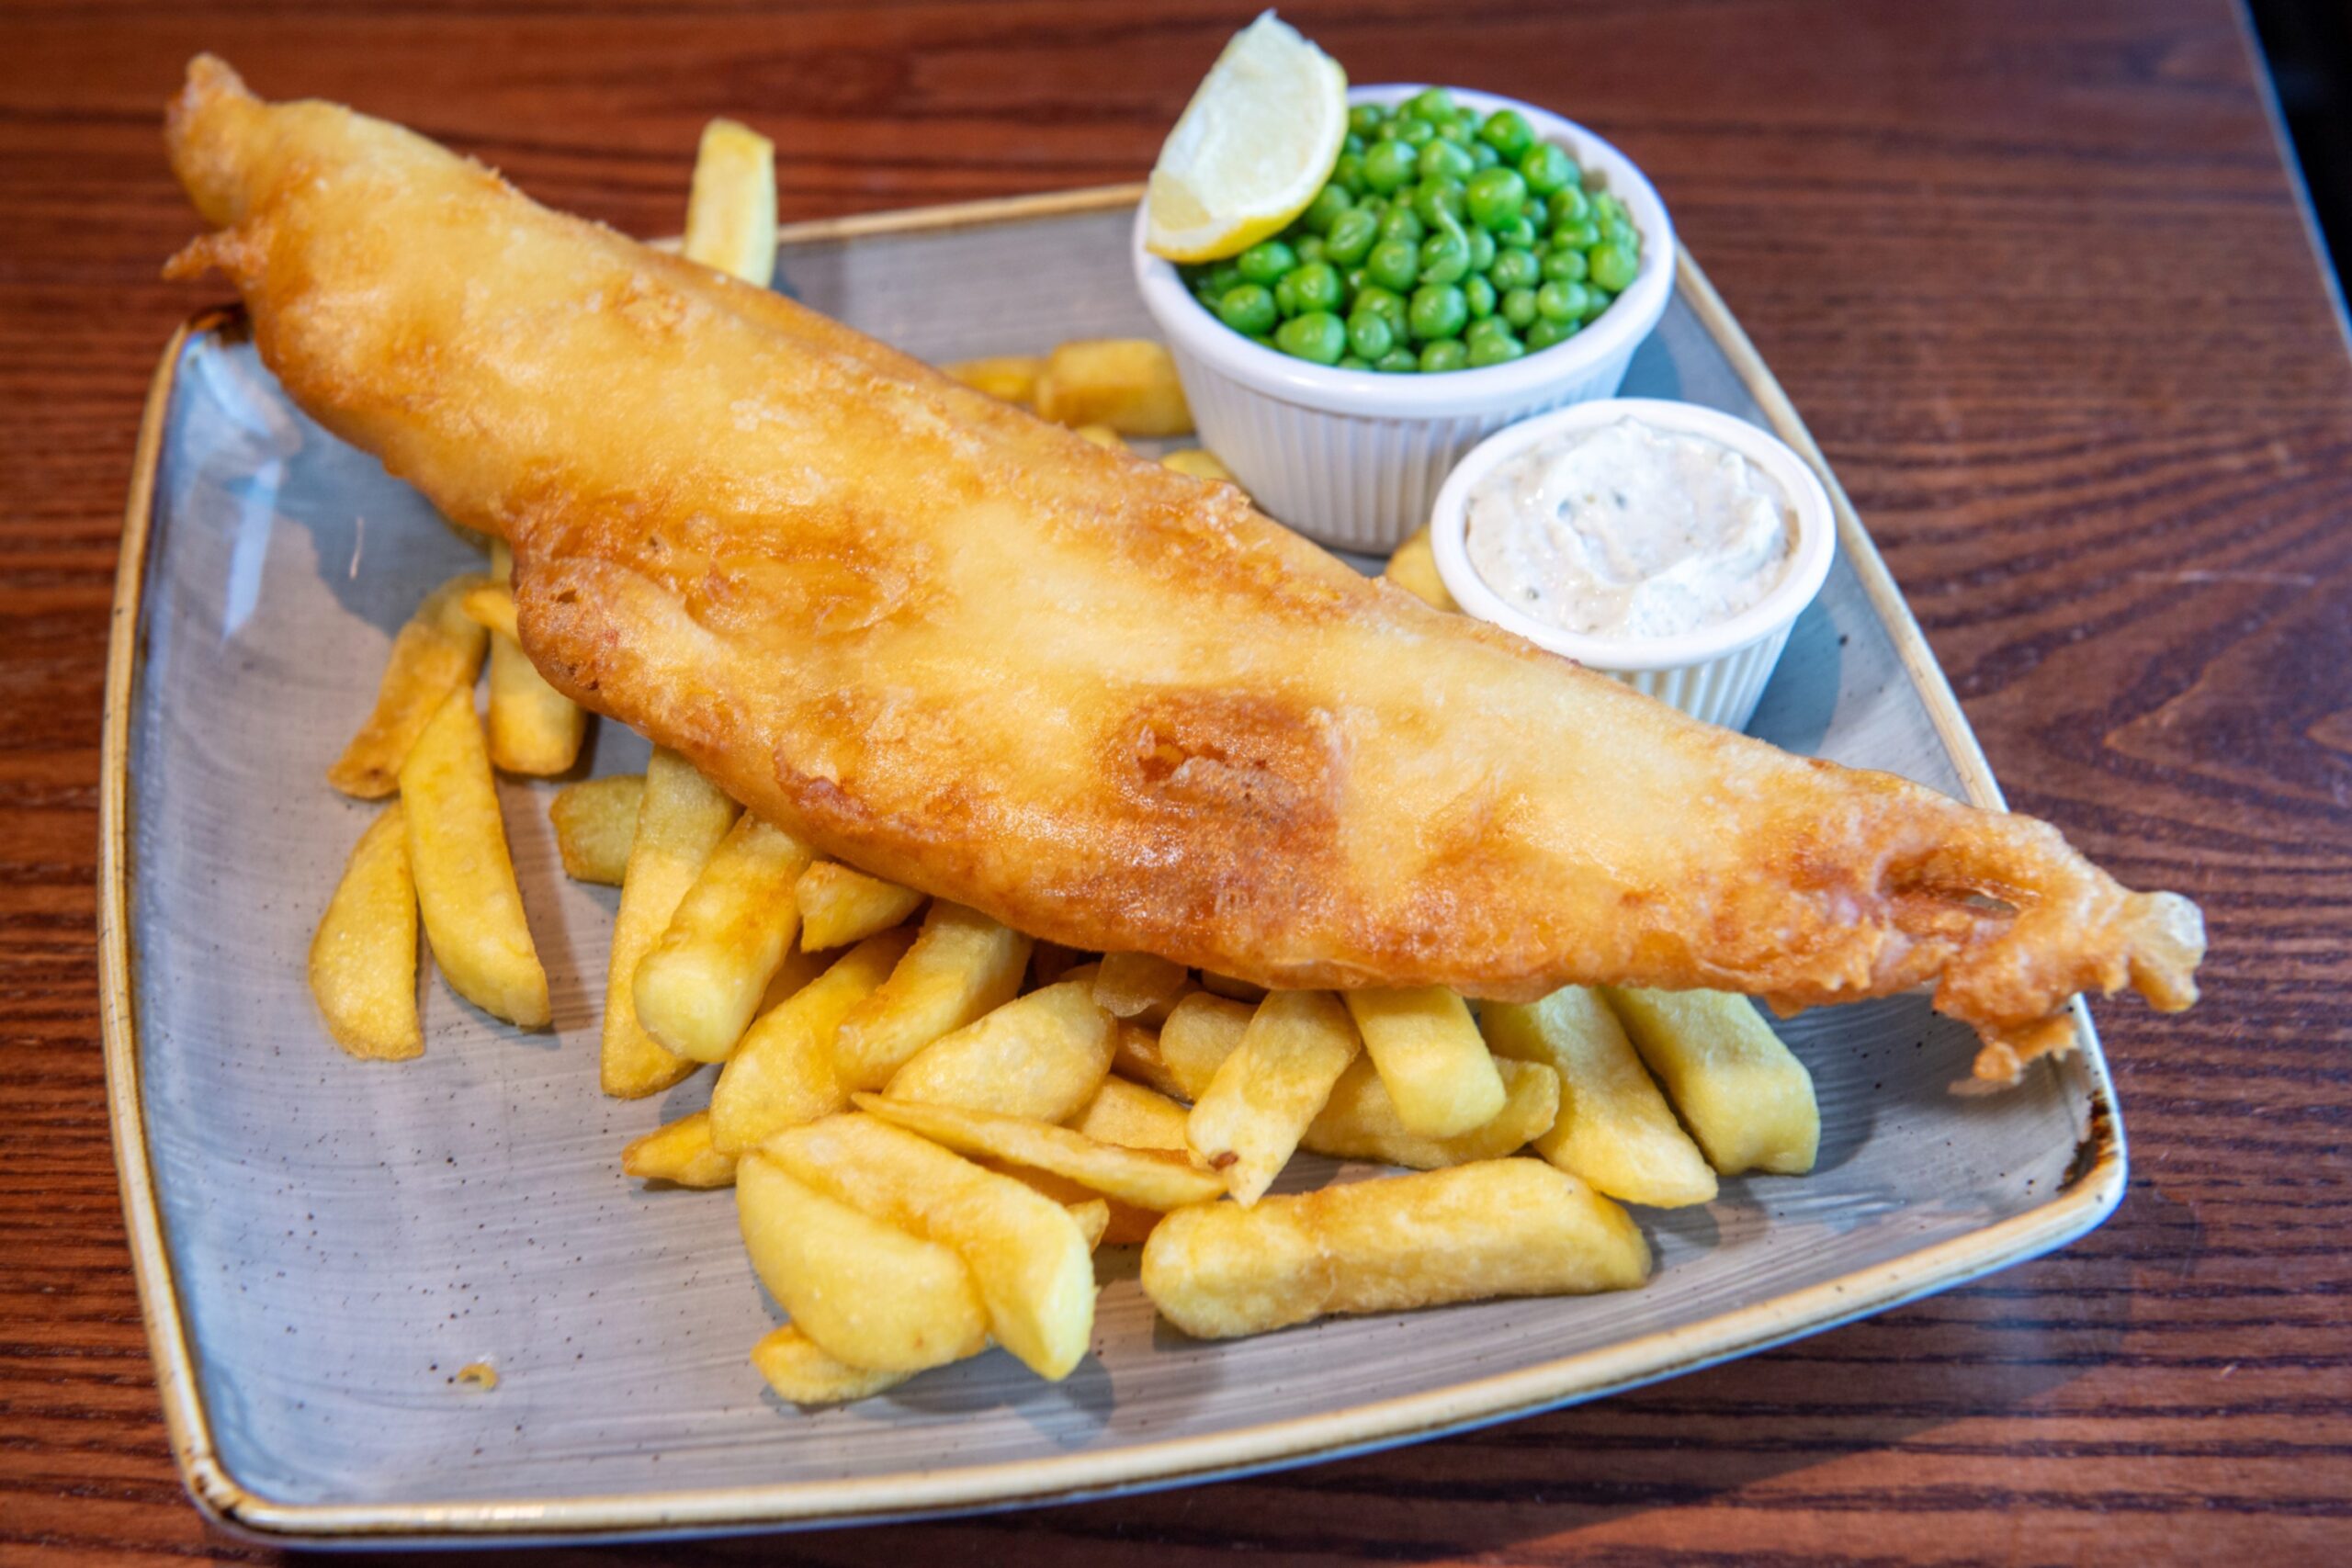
pixel 1103 1221
pixel 1140 986
pixel 1127 385
pixel 679 824
pixel 1042 1056
pixel 1202 464
pixel 698 988
pixel 1202 1031
pixel 1503 1227
pixel 1743 1094
pixel 1135 1055
pixel 862 1289
pixel 1226 986
pixel 439 651
pixel 465 878
pixel 1431 1058
pixel 782 1073
pixel 1013 377
pixel 840 904
pixel 1248 1123
pixel 1031 1260
pixel 801 1371
pixel 962 966
pixel 534 729
pixel 730 212
pixel 1360 1121
pixel 1148 1179
pixel 680 1151
pixel 363 960
pixel 490 605
pixel 1614 1129
pixel 1132 1117
pixel 1414 569
pixel 595 822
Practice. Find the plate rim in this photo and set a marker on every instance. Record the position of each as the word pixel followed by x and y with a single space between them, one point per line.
pixel 2093 1188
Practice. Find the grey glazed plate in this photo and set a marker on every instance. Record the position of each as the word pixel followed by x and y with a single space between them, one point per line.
pixel 323 1243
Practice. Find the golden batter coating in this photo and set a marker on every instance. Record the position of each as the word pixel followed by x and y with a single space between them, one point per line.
pixel 1105 702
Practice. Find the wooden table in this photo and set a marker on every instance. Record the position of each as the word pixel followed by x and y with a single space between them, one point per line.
pixel 2037 277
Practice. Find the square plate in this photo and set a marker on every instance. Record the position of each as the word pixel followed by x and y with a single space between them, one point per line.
pixel 322 1243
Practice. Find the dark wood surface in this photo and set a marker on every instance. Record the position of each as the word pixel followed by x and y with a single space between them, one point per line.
pixel 2035 275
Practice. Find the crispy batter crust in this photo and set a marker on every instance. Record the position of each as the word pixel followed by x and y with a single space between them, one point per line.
pixel 1109 705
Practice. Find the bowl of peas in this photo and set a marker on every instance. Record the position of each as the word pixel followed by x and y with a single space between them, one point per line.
pixel 1470 261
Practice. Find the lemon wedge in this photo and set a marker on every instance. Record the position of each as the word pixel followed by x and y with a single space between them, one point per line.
pixel 1252 148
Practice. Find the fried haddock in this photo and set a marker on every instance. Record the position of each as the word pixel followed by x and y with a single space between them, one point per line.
pixel 1107 704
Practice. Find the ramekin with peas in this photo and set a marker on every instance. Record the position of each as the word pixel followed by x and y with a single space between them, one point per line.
pixel 1444 240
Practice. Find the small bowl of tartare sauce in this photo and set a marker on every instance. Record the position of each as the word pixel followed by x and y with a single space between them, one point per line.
pixel 1670 546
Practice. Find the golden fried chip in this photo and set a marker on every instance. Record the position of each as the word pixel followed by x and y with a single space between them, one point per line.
pixel 839 905
pixel 534 729
pixel 1431 1058
pixel 1146 1178
pixel 1013 378
pixel 963 965
pixel 595 822
pixel 490 605
pixel 804 1372
pixel 1132 1117
pixel 1414 569
pixel 782 1073
pixel 1042 1056
pixel 696 991
pixel 679 826
pixel 1202 1031
pixel 363 960
pixel 1360 1121
pixel 1129 384
pixel 439 651
pixel 1202 464
pixel 680 1151
pixel 730 212
pixel 465 879
pixel 1743 1094
pixel 1247 1124
pixel 1228 987
pixel 1139 985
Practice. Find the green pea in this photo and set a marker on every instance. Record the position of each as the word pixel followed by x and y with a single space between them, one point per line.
pixel 1398 361
pixel 1315 286
pixel 1368 334
pixel 1517 307
pixel 1580 235
pixel 1495 196
pixel 1394 264
pixel 1438 310
pixel 1353 278
pixel 1348 174
pixel 1328 203
pixel 1286 295
pixel 1618 232
pixel 1317 337
pixel 1501 348
pixel 1385 303
pixel 1595 301
pixel 1606 205
pixel 1560 302
pixel 1445 258
pixel 1443 161
pixel 1351 142
pixel 1375 207
pixel 1565 266
pixel 1265 261
pixel 1364 118
pixel 1401 223
pixel 1613 268
pixel 1538 211
pixel 1545 169
pixel 1516 267
pixel 1570 204
pixel 1351 237
pixel 1437 202
pixel 1456 131
pixel 1388 166
pixel 1355 362
pixel 1546 332
pixel 1484 156
pixel 1518 231
pixel 1416 133
pixel 1387 130
pixel 1480 295
pixel 1446 354
pixel 1264 340
pixel 1309 247
pixel 1430 104
pixel 1507 131
pixel 1248 308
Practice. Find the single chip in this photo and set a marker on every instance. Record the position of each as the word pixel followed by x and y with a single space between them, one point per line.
pixel 1140 986
pixel 1614 1130
pixel 363 960
pixel 962 966
pixel 782 1073
pixel 1742 1093
pixel 698 990
pixel 1414 569
pixel 1042 1056
pixel 1431 1056
pixel 1247 1124
pixel 730 212
pixel 1101 435
pixel 595 822
pixel 863 1290
pixel 465 879
pixel 534 729
pixel 680 822
pixel 1128 384
pixel 1103 1221
pixel 490 605
pixel 680 1151
pixel 439 651
pixel 1135 1054
pixel 1132 1117
pixel 1360 1121
pixel 1028 1256
pixel 1148 1179
pixel 1228 987
pixel 1202 1031
pixel 1013 378
pixel 1503 1227
pixel 801 1371
pixel 840 906
pixel 1202 464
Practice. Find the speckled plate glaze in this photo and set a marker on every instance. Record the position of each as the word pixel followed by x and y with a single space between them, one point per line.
pixel 322 1243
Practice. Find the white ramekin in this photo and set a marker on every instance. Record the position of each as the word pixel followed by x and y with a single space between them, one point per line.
pixel 1716 674
pixel 1354 457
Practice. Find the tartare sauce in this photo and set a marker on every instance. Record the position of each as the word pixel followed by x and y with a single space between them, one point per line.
pixel 1631 531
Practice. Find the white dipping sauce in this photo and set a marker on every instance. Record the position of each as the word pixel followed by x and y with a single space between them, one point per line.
pixel 1631 531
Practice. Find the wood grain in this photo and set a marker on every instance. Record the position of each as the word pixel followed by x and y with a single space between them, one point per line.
pixel 2035 276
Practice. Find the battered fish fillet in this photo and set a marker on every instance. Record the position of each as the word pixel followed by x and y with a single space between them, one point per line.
pixel 1107 704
